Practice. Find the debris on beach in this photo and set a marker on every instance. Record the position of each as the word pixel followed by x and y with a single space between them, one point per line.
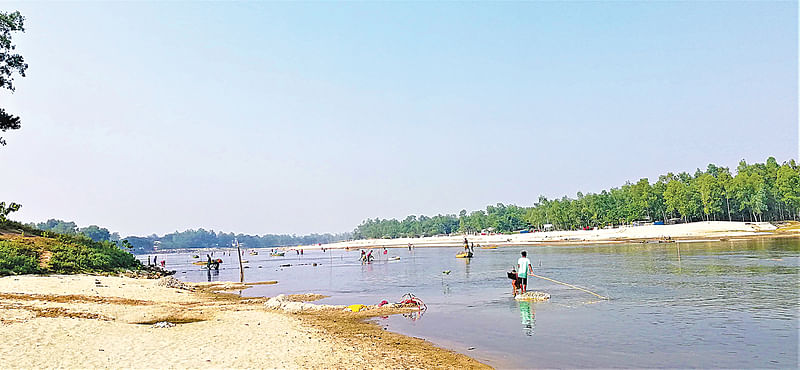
pixel 356 307
pixel 289 304
pixel 533 296
pixel 284 303
pixel 163 324
pixel 171 282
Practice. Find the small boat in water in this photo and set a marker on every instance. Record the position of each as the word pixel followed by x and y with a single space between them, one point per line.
pixel 489 247
pixel 464 255
pixel 277 254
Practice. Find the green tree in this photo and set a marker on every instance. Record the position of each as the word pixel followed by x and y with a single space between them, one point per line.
pixel 788 186
pixel 710 194
pixel 10 63
pixel 96 233
pixel 5 210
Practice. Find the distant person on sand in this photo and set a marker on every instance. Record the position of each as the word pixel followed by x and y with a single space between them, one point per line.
pixel 524 268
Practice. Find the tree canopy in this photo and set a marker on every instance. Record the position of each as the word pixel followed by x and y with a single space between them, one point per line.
pixel 757 192
pixel 10 63
pixel 188 239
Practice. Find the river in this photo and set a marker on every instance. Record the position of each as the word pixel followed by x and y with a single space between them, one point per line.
pixel 731 304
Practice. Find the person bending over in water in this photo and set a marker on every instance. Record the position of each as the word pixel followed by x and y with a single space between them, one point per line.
pixel 515 282
pixel 524 268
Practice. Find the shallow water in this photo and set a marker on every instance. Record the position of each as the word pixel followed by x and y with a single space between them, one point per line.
pixel 719 304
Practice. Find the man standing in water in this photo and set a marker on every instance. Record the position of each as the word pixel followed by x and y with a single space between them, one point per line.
pixel 523 269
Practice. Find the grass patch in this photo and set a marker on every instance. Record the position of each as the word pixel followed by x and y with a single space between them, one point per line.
pixel 24 250
pixel 18 258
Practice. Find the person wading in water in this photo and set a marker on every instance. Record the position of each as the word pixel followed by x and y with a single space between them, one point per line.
pixel 524 268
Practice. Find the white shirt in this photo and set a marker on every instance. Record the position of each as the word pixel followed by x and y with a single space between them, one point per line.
pixel 522 267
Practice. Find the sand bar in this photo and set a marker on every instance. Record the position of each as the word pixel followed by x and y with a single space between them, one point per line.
pixel 83 321
pixel 706 230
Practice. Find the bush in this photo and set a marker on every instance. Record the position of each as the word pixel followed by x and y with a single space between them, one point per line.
pixel 77 253
pixel 69 254
pixel 18 258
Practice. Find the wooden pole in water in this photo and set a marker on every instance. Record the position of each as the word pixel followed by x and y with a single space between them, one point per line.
pixel 241 270
pixel 570 285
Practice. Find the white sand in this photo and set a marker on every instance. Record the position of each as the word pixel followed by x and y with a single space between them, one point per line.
pixel 705 229
pixel 233 334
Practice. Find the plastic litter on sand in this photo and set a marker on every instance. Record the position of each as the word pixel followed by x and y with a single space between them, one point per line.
pixel 163 324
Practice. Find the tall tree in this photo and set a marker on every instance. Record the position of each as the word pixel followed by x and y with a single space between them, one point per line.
pixel 10 63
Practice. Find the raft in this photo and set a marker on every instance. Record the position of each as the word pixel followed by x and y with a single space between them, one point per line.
pixel 489 247
pixel 464 255
pixel 277 254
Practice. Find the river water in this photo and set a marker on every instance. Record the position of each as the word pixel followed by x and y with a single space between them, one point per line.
pixel 730 304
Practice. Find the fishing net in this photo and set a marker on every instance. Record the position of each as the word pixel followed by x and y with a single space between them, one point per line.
pixel 533 296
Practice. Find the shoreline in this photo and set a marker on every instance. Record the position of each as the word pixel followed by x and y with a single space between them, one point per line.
pixel 690 232
pixel 90 321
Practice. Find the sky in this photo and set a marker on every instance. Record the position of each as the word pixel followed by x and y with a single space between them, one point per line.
pixel 259 117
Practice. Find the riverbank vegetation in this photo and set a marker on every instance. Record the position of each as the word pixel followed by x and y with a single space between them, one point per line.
pixel 188 239
pixel 25 250
pixel 755 192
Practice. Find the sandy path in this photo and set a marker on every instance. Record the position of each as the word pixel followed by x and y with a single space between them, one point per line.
pixel 74 322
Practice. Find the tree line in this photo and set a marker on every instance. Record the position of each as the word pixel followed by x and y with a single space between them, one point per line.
pixel 756 192
pixel 94 232
pixel 188 239
pixel 202 238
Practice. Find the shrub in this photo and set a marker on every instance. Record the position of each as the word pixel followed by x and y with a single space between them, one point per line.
pixel 18 258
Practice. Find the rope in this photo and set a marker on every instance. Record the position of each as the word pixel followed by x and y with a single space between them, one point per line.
pixel 569 285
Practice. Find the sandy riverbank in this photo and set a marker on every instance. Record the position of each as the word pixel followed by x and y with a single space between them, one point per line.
pixel 713 230
pixel 82 321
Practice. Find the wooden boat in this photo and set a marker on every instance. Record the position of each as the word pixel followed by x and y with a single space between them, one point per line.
pixel 464 255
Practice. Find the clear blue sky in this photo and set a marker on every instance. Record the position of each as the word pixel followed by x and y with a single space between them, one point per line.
pixel 310 117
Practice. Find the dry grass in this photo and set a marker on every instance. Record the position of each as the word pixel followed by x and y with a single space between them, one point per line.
pixel 71 298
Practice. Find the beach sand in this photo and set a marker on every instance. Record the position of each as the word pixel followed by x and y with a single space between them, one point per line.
pixel 83 321
pixel 706 230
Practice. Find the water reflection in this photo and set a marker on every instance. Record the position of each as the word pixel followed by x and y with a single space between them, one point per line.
pixel 214 273
pixel 707 304
pixel 528 316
